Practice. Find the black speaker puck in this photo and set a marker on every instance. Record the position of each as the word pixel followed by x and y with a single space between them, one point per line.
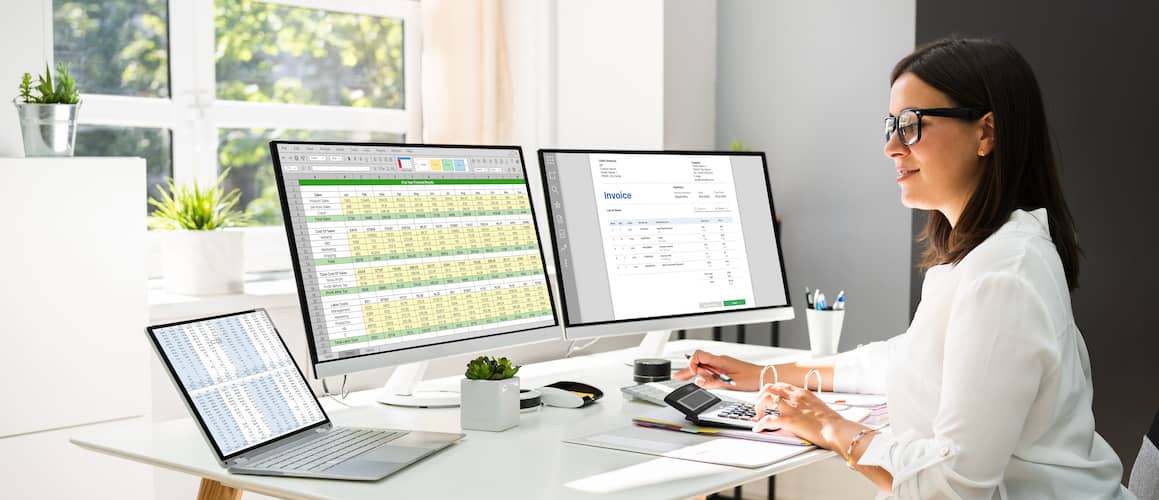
pixel 652 370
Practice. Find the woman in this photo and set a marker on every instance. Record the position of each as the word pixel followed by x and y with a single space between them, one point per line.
pixel 989 389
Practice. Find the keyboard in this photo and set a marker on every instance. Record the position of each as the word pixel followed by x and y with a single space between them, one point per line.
pixel 329 449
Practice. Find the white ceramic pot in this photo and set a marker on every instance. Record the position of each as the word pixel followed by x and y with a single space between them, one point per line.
pixel 489 405
pixel 202 262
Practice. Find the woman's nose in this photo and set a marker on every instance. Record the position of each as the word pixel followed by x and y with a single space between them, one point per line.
pixel 894 148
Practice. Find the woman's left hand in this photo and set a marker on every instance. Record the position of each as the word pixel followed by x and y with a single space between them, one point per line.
pixel 801 412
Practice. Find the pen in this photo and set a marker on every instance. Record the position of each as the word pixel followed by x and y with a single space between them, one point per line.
pixel 722 377
pixel 840 304
pixel 808 297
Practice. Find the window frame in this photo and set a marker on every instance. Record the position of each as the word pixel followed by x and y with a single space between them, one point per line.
pixel 194 115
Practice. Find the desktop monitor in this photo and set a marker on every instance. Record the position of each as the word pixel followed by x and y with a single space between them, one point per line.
pixel 404 253
pixel 652 241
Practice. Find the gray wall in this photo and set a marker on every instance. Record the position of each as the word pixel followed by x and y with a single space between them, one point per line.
pixel 807 83
pixel 1096 64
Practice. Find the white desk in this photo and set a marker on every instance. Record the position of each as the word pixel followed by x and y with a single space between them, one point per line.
pixel 529 461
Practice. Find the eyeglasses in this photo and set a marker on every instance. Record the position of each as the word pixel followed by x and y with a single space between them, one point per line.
pixel 908 123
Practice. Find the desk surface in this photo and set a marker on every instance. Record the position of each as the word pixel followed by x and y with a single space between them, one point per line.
pixel 528 461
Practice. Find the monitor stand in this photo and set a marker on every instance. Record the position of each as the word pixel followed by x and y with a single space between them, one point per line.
pixel 402 389
pixel 653 345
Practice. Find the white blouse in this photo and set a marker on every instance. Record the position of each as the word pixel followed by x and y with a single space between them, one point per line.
pixel 989 389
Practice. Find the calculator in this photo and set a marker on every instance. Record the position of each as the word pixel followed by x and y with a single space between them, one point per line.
pixel 654 392
pixel 705 408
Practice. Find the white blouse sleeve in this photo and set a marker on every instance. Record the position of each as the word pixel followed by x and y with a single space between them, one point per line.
pixel 999 346
pixel 862 370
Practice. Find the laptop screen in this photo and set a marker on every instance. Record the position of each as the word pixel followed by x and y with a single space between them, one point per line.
pixel 238 378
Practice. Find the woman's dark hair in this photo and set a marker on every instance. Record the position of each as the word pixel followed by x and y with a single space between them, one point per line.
pixel 1020 173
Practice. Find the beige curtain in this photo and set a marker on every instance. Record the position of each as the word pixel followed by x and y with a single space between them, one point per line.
pixel 466 89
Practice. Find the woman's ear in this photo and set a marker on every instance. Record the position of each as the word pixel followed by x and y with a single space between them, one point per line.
pixel 986 134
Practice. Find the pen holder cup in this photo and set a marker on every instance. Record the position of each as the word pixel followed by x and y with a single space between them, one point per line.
pixel 824 331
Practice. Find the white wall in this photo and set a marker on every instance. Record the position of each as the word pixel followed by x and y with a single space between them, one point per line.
pixel 610 74
pixel 635 75
pixel 689 74
pixel 24 28
pixel 807 82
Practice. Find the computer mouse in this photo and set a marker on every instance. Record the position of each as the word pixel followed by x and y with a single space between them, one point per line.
pixel 565 394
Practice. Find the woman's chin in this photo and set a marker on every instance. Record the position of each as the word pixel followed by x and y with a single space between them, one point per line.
pixel 908 200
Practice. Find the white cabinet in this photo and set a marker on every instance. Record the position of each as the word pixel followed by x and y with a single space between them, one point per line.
pixel 72 313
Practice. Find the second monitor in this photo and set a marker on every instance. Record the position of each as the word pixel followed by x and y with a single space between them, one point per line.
pixel 655 241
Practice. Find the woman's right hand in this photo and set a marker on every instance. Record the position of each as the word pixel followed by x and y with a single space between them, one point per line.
pixel 704 366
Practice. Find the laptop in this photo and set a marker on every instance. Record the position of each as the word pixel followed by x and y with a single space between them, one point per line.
pixel 254 408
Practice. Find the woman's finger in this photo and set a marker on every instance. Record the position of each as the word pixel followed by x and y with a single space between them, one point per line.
pixel 766 399
pixel 768 422
pixel 765 403
pixel 694 367
pixel 709 382
pixel 702 358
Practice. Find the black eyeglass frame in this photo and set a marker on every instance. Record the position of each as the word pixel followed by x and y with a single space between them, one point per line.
pixel 891 122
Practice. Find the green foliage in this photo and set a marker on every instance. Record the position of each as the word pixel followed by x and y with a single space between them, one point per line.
pixel 739 145
pixel 263 52
pixel 26 88
pixel 195 208
pixel 116 47
pixel 247 153
pixel 489 368
pixel 61 91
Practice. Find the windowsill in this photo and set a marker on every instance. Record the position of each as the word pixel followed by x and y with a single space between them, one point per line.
pixel 267 290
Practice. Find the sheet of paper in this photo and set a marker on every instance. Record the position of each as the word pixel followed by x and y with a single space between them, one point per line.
pixel 739 452
pixel 652 472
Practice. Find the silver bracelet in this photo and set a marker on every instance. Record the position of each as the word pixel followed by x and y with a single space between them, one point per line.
pixel 853 447
pixel 775 377
pixel 819 381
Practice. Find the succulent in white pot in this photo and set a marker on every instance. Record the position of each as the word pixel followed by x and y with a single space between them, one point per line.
pixel 489 396
pixel 199 257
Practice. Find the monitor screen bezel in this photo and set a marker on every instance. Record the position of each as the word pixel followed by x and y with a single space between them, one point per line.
pixel 408 354
pixel 733 316
pixel 223 458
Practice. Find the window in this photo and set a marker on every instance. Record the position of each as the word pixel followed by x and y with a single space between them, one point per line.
pixel 246 153
pixel 200 86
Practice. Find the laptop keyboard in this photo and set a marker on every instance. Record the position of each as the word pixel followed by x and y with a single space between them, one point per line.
pixel 333 448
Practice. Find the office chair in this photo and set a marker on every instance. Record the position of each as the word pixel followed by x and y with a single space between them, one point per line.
pixel 1144 482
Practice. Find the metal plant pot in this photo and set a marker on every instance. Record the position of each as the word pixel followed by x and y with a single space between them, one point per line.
pixel 48 129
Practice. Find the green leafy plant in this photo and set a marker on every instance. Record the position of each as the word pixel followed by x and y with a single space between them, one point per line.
pixel 48 91
pixel 739 145
pixel 489 368
pixel 196 208
pixel 26 88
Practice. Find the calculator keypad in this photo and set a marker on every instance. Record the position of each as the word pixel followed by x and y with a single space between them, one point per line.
pixel 741 411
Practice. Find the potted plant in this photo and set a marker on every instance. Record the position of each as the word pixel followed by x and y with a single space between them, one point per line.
pixel 48 113
pixel 198 256
pixel 489 396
